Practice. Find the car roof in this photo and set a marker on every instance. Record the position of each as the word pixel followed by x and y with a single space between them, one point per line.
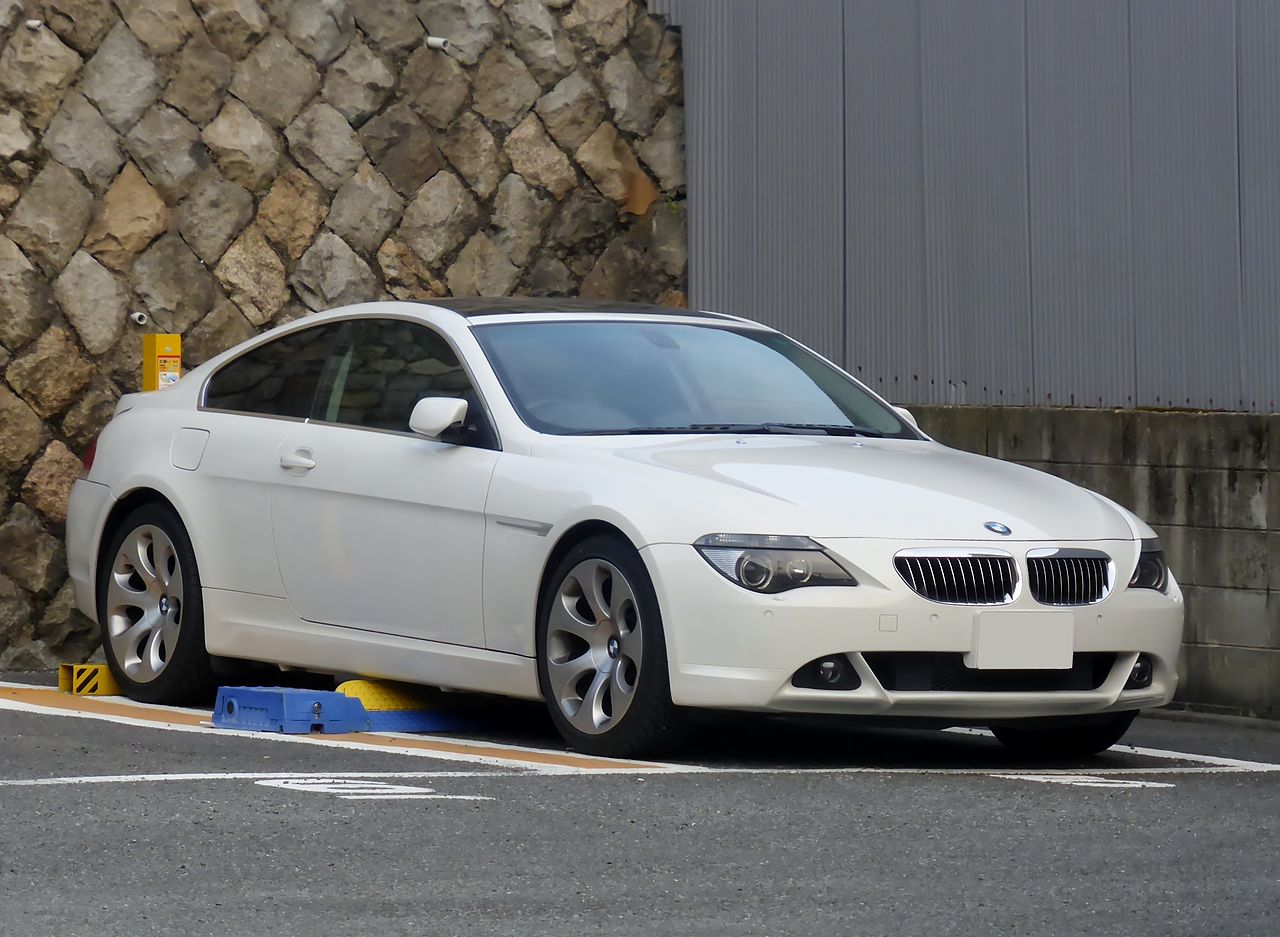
pixel 516 305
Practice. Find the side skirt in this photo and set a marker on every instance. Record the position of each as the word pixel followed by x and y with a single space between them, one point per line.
pixel 265 628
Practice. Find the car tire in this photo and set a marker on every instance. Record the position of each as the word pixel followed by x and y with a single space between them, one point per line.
pixel 602 658
pixel 150 613
pixel 1066 738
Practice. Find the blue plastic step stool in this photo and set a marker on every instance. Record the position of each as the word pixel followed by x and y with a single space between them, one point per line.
pixel 410 720
pixel 290 710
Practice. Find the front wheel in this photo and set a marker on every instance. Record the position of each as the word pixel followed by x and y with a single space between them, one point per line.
pixel 1066 738
pixel 602 659
pixel 149 608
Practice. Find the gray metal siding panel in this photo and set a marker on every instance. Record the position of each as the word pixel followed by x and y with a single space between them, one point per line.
pixel 1062 201
pixel 799 235
pixel 1259 84
pixel 764 134
pixel 888 327
pixel 720 82
pixel 1081 245
pixel 975 191
pixel 1185 203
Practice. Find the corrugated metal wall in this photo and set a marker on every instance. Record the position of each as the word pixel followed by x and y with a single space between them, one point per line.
pixel 996 201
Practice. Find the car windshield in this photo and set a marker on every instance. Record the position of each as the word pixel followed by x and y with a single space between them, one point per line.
pixel 630 377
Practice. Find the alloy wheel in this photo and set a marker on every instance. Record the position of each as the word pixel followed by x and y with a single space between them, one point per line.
pixel 595 645
pixel 144 603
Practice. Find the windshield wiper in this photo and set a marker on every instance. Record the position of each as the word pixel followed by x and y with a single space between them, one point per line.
pixel 831 429
pixel 734 429
pixel 794 429
pixel 665 430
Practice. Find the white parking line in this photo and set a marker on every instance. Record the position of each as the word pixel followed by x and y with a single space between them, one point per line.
pixel 250 776
pixel 1082 780
pixel 1065 773
pixel 519 760
pixel 316 739
pixel 1214 760
pixel 49 702
pixel 991 772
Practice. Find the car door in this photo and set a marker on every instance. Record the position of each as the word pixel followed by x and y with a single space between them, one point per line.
pixel 250 406
pixel 376 527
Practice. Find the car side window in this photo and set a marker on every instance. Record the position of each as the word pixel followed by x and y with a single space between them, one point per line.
pixel 276 379
pixel 380 368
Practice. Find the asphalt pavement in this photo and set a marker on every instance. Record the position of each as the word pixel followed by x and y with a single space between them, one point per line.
pixel 141 821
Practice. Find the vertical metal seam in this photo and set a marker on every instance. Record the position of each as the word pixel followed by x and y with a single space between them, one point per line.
pixel 1033 390
pixel 690 162
pixel 845 360
pixel 1133 275
pixel 756 272
pixel 1240 271
pixel 925 301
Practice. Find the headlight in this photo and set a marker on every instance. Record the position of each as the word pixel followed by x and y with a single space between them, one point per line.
pixel 1151 571
pixel 769 564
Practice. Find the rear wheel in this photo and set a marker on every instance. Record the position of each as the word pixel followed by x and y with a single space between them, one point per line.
pixel 602 659
pixel 1066 738
pixel 149 607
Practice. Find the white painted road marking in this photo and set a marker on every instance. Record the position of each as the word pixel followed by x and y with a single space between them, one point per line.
pixel 316 739
pixel 248 776
pixel 1214 760
pixel 1067 773
pixel 1081 780
pixel 19 697
pixel 357 789
pixel 518 760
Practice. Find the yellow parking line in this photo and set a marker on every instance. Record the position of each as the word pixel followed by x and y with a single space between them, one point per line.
pixel 102 705
pixel 160 717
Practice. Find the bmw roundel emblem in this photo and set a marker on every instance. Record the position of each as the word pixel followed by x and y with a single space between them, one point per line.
pixel 997 528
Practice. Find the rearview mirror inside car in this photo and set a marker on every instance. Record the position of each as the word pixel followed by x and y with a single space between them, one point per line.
pixel 433 415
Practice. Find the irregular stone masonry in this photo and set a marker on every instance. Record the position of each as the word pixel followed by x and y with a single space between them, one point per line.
pixel 229 165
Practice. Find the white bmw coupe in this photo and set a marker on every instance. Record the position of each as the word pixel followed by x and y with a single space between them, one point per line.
pixel 626 511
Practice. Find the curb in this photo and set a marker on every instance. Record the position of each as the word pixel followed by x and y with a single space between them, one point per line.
pixel 1258 723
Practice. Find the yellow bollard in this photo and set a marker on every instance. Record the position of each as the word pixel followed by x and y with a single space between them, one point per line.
pixel 161 361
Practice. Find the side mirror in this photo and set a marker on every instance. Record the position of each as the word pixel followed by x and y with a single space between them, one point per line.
pixel 906 415
pixel 433 415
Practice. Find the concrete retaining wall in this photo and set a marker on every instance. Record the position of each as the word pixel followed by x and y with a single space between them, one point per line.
pixel 1209 483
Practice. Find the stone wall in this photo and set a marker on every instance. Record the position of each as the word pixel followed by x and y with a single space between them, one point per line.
pixel 228 165
pixel 1209 484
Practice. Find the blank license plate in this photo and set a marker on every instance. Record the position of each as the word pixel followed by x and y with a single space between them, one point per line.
pixel 1022 641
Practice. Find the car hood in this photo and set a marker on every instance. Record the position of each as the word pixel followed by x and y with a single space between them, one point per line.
pixel 830 487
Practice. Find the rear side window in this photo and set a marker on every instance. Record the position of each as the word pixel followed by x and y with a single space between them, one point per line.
pixel 276 379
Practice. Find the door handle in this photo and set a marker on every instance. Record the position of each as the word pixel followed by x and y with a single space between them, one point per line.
pixel 299 460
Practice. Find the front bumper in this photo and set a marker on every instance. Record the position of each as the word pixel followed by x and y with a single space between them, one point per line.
pixel 732 649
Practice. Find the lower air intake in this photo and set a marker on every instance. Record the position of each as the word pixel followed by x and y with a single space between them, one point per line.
pixel 946 673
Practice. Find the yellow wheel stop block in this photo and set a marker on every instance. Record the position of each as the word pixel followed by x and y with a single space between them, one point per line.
pixel 377 696
pixel 87 680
